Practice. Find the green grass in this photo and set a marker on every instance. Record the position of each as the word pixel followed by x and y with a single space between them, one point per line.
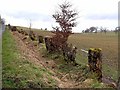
pixel 18 72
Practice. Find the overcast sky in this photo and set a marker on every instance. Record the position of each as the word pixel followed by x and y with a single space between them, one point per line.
pixel 91 13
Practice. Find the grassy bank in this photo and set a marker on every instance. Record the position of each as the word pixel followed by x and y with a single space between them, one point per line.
pixel 107 42
pixel 17 71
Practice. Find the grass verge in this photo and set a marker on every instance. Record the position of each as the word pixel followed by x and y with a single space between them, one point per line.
pixel 17 71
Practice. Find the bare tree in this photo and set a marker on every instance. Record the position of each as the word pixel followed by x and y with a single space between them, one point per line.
pixel 30 25
pixel 103 30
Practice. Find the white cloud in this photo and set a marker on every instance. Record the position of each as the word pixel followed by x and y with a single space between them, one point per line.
pixel 42 11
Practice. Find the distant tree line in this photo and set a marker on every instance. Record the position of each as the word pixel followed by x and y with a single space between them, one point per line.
pixel 90 30
pixel 101 29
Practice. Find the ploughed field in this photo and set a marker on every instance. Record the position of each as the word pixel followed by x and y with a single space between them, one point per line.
pixel 107 42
